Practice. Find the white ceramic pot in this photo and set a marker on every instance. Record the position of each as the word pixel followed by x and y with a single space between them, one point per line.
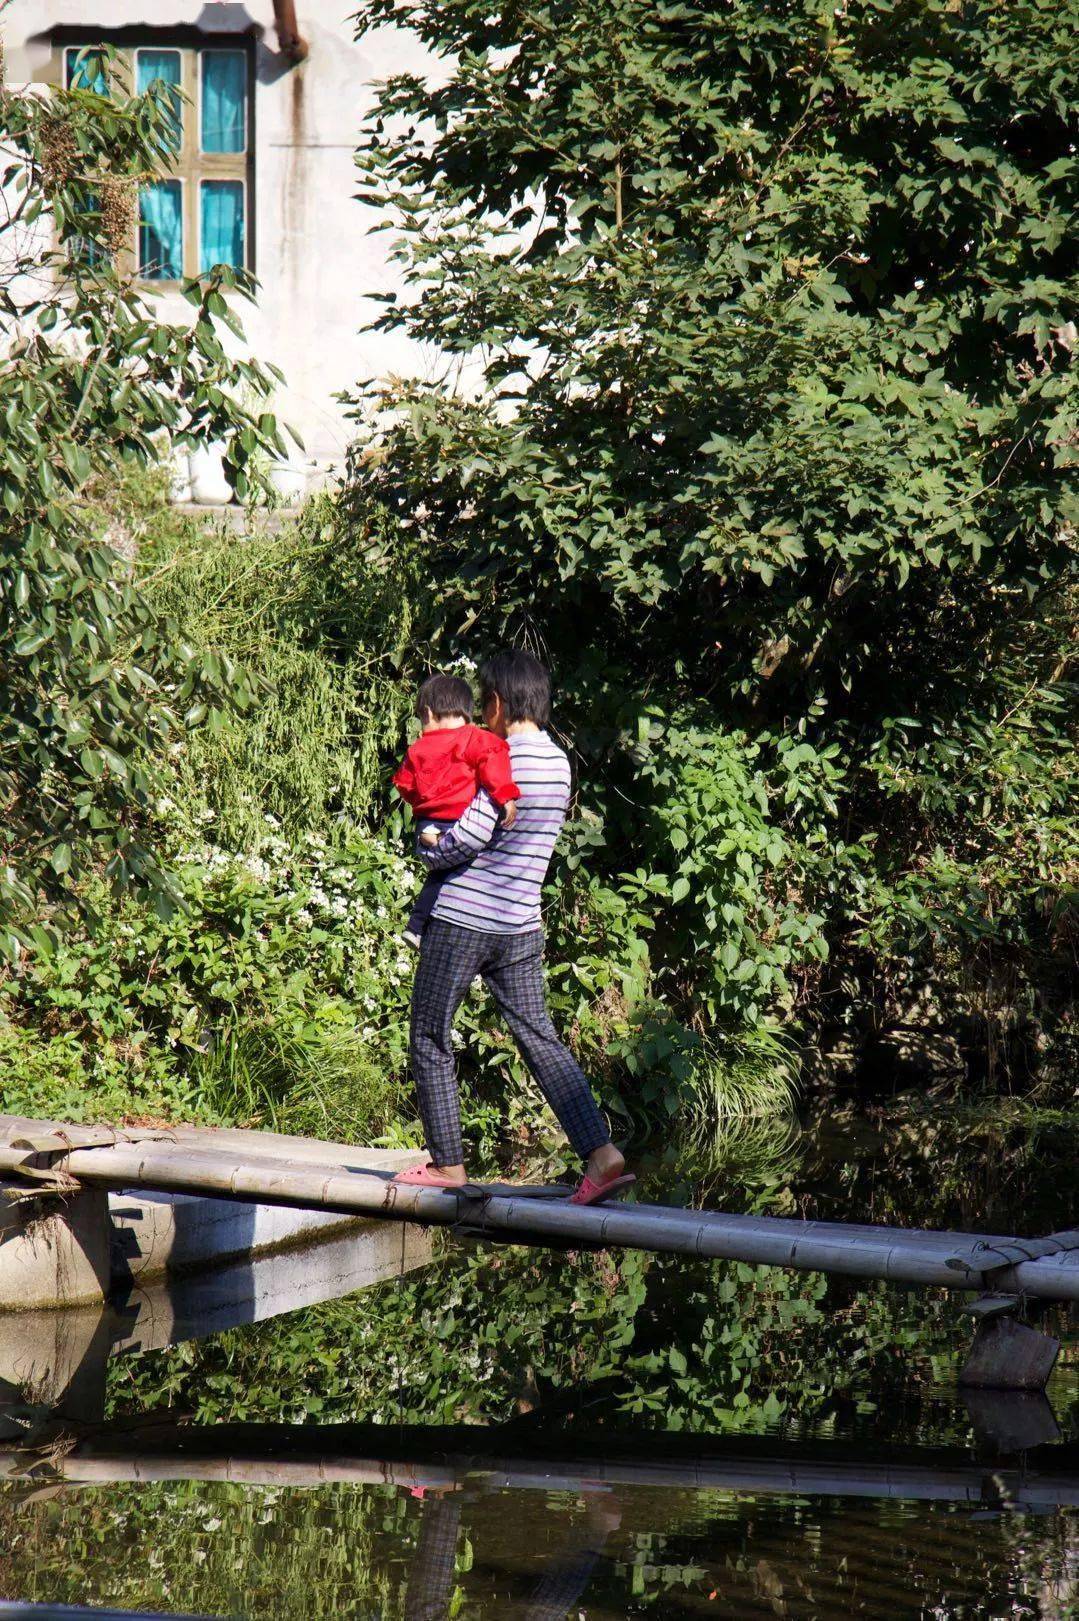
pixel 289 480
pixel 209 486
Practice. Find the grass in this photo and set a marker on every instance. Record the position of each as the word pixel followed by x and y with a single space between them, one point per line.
pixel 308 1079
pixel 745 1075
pixel 321 635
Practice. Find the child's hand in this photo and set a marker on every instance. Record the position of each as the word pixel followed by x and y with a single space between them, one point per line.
pixel 509 813
pixel 429 836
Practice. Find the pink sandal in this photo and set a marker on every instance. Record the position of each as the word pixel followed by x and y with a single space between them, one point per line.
pixel 424 1176
pixel 591 1192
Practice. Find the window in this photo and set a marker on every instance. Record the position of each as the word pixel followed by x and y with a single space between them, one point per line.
pixel 223 101
pixel 163 67
pixel 197 215
pixel 221 223
pixel 161 231
pixel 223 123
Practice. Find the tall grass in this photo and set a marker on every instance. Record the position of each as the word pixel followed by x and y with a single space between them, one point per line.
pixel 322 633
pixel 301 1078
pixel 741 1075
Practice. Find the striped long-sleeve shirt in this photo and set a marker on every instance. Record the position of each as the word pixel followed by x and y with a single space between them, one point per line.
pixel 498 892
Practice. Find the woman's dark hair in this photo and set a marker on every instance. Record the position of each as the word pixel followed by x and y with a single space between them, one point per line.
pixel 520 681
pixel 445 695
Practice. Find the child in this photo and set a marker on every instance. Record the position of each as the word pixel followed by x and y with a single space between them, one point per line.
pixel 442 773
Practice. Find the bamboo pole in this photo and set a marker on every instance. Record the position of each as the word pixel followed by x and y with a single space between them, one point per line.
pixel 897 1254
pixel 482 1463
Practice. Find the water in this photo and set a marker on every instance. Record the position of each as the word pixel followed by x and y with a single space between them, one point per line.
pixel 512 1433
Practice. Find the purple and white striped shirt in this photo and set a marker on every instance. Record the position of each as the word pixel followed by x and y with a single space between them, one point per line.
pixel 499 891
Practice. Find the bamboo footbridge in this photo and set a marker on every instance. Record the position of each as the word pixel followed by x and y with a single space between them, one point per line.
pixel 477 1459
pixel 1006 1271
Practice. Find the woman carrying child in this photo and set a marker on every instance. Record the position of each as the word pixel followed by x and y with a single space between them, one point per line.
pixel 485 919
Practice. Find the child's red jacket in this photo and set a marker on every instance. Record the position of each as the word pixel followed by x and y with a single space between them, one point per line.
pixel 442 771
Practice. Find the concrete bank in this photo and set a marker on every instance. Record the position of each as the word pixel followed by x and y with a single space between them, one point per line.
pixel 77 1248
pixel 57 1359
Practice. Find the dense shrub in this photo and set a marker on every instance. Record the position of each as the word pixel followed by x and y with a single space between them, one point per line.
pixel 274 992
pixel 774 313
pixel 320 633
pixel 277 993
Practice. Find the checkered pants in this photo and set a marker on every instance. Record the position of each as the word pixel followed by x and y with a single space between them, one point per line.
pixel 511 966
pixel 433 1572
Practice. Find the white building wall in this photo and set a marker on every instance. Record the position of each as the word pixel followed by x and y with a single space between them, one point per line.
pixel 314 256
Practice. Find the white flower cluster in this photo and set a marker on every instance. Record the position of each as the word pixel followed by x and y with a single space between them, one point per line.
pixel 359 896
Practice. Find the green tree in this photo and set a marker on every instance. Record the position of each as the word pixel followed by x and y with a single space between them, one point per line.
pixel 97 687
pixel 773 308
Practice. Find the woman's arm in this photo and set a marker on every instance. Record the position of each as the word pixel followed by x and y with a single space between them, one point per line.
pixel 471 833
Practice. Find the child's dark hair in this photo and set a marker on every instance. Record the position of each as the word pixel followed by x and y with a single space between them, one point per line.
pixel 444 695
pixel 521 682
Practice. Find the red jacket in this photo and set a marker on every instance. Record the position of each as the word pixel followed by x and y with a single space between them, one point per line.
pixel 442 771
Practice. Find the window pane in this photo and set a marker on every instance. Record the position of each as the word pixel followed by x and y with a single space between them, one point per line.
pixel 84 69
pixel 164 66
pixel 221 228
pixel 161 231
pixel 224 101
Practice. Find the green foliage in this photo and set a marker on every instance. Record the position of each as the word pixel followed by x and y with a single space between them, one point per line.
pixel 728 858
pixel 276 994
pixel 775 459
pixel 702 1084
pixel 96 684
pixel 53 1072
pixel 322 630
pixel 247 1004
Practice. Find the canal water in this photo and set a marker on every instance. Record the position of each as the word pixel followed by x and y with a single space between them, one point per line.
pixel 509 1433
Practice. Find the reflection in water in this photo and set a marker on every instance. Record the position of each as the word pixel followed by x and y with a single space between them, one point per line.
pixel 381 1551
pixel 545 1435
pixel 433 1577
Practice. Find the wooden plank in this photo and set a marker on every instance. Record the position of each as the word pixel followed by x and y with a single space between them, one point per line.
pixel 1007 1355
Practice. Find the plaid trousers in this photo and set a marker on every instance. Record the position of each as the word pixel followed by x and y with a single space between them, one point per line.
pixel 433 1572
pixel 511 966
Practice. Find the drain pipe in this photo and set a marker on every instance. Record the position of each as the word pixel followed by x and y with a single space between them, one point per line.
pixel 289 39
